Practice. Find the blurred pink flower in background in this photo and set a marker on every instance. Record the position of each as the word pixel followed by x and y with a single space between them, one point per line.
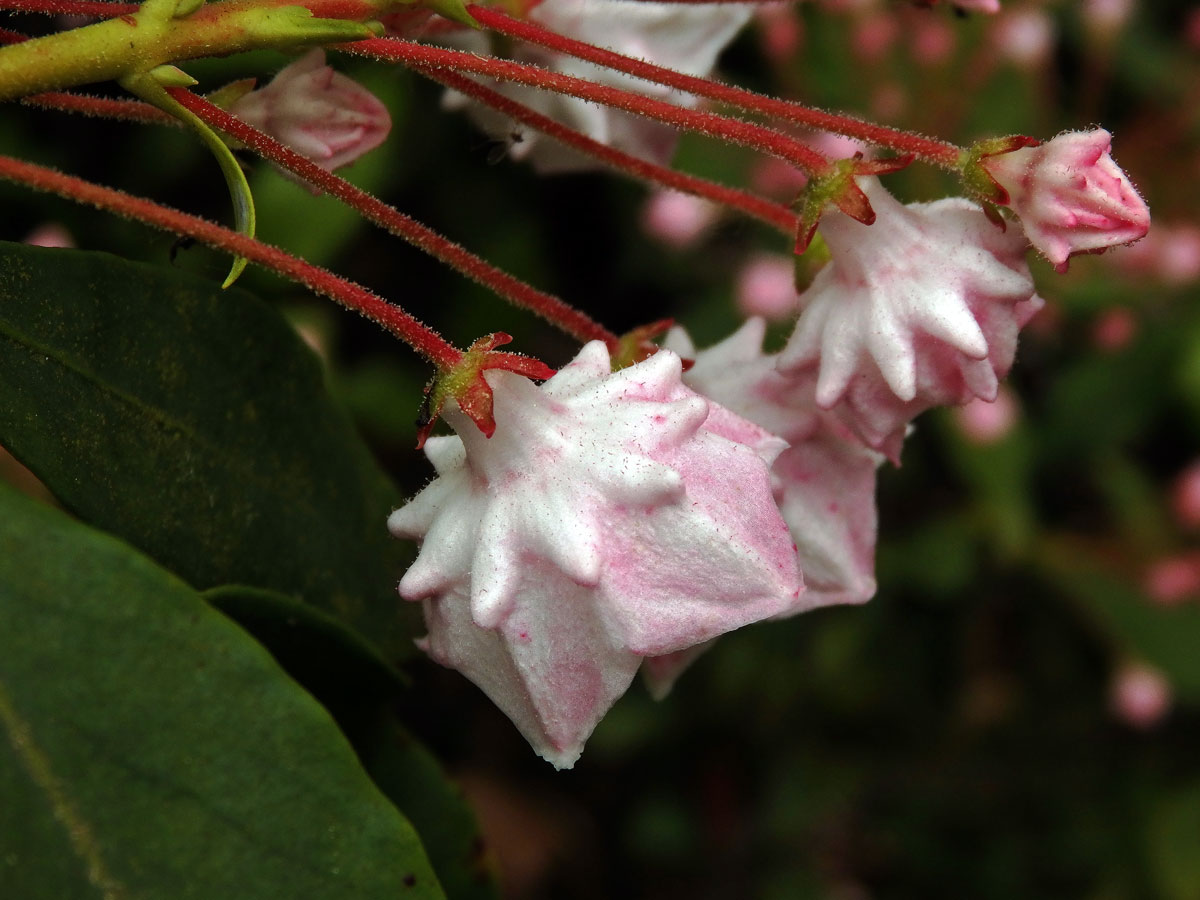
pixel 780 31
pixel 766 286
pixel 1173 579
pixel 1170 252
pixel 1140 695
pixel 678 219
pixel 1185 496
pixel 983 422
pixel 50 234
pixel 1114 329
pixel 1024 36
pixel 319 113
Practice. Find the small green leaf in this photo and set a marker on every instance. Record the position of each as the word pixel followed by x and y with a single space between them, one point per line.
pixel 195 424
pixel 151 749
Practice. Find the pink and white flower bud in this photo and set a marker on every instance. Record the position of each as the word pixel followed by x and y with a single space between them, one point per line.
pixel 920 309
pixel 1140 695
pixel 611 517
pixel 824 481
pixel 678 219
pixel 766 286
pixel 317 112
pixel 1070 195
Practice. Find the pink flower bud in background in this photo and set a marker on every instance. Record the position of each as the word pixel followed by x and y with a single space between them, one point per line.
pixel 1185 496
pixel 982 422
pixel 775 177
pixel 766 286
pixel 780 31
pixel 1070 195
pixel 678 219
pixel 932 40
pixel 1140 695
pixel 874 34
pixel 1169 253
pixel 1024 36
pixel 611 517
pixel 50 234
pixel 318 112
pixel 1114 329
pixel 1171 580
pixel 984 7
pixel 920 309
pixel 1105 18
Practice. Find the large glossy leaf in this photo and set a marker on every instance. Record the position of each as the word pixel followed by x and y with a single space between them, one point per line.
pixel 151 749
pixel 193 423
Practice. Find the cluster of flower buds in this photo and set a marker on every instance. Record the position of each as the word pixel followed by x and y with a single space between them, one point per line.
pixel 619 521
pixel 643 501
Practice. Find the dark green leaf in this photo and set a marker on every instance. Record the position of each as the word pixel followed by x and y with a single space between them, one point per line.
pixel 195 424
pixel 414 780
pixel 153 750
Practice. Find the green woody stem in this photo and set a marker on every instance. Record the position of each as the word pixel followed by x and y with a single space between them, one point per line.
pixel 137 43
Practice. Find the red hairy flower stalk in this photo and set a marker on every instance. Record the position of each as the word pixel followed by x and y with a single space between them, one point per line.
pixel 774 214
pixel 517 292
pixel 735 131
pixel 937 152
pixel 12 37
pixel 102 107
pixel 421 338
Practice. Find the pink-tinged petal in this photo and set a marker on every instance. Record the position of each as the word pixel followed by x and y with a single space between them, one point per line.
pixel 623 507
pixel 918 310
pixel 824 482
pixel 551 668
pixel 1070 195
pixel 317 112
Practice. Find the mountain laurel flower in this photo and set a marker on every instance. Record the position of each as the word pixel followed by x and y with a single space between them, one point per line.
pixel 610 517
pixel 685 37
pixel 1070 195
pixel 316 111
pixel 824 481
pixel 920 309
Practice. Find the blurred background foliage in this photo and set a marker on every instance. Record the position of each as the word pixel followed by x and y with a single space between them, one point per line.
pixel 1017 712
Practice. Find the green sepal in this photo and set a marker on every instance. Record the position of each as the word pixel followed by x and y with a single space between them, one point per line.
pixel 810 262
pixel 291 26
pixel 454 10
pixel 151 87
pixel 978 182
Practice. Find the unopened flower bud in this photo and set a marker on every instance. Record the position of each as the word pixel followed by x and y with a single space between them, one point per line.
pixel 920 309
pixel 1070 195
pixel 317 112
pixel 609 518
